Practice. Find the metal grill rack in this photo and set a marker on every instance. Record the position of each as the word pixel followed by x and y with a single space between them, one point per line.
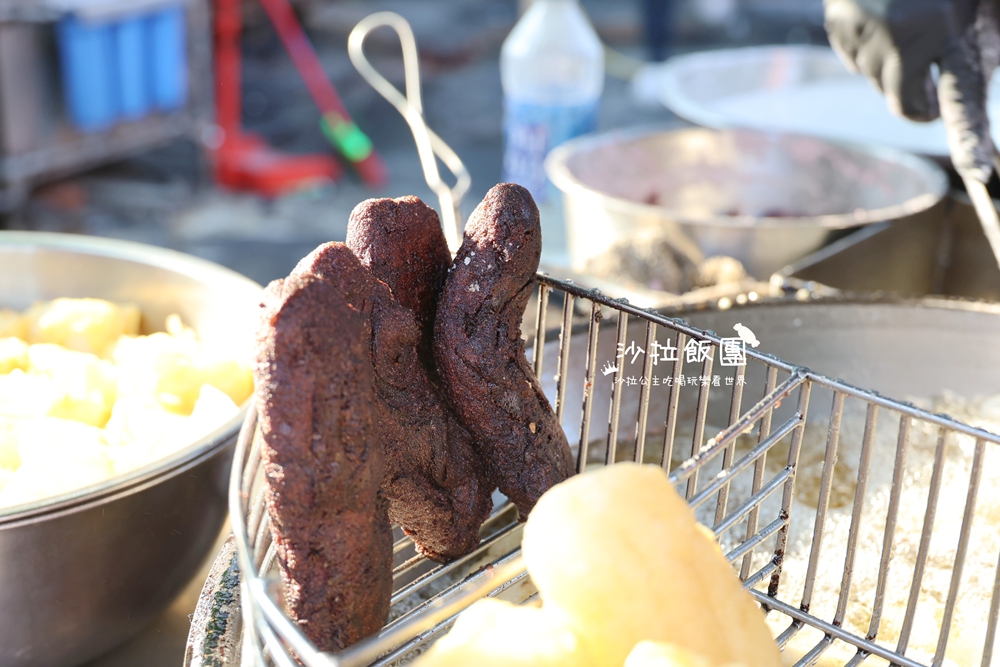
pixel 715 439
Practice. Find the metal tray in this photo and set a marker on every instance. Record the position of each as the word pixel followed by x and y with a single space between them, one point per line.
pixel 693 432
pixel 943 254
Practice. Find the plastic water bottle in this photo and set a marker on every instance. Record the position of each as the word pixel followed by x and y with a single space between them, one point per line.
pixel 552 72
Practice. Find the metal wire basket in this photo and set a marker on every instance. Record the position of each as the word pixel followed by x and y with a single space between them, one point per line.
pixel 739 474
pixel 838 581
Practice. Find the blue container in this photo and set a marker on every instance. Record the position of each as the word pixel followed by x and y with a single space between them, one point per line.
pixel 87 56
pixel 123 68
pixel 132 67
pixel 168 58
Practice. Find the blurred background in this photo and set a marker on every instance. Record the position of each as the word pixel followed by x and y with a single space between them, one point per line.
pixel 240 131
pixel 150 179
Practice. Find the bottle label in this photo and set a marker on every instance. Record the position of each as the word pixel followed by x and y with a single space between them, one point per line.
pixel 531 131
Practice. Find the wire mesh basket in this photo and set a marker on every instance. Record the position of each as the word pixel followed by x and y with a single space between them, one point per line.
pixel 806 488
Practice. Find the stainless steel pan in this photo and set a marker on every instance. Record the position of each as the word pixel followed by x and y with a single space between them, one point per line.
pixel 82 572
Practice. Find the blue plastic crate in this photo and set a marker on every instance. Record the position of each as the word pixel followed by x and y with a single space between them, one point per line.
pixel 168 58
pixel 132 62
pixel 87 56
pixel 125 67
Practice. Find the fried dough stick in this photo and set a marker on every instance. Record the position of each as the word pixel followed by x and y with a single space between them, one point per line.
pixel 480 354
pixel 323 464
pixel 436 490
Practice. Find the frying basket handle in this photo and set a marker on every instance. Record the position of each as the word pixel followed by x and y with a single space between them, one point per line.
pixel 429 145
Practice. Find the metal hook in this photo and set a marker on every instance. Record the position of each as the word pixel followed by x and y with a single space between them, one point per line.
pixel 986 209
pixel 429 145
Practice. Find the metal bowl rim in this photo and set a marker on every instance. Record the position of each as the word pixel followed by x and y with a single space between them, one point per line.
pixel 672 94
pixel 935 302
pixel 222 439
pixel 561 176
pixel 193 267
pixel 165 258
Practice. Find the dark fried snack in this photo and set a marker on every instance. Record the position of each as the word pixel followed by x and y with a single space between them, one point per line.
pixel 480 354
pixel 436 490
pixel 400 241
pixel 323 464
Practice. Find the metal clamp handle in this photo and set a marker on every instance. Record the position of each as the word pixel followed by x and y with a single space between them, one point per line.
pixel 429 145
pixel 987 213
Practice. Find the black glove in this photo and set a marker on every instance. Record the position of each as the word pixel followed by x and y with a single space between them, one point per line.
pixel 895 42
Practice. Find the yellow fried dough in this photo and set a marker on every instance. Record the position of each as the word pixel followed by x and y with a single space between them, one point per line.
pixel 617 555
pixel 494 633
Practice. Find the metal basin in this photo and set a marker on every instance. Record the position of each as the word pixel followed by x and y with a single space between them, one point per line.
pixel 799 88
pixel 81 572
pixel 905 349
pixel 765 199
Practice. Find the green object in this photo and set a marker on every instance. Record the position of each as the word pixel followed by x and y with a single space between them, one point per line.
pixel 347 137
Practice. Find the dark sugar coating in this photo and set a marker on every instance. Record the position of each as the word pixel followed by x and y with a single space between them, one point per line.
pixel 323 464
pixel 436 490
pixel 480 354
pixel 400 241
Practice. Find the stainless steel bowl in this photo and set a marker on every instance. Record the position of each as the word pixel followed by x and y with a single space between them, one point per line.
pixel 83 571
pixel 798 88
pixel 765 199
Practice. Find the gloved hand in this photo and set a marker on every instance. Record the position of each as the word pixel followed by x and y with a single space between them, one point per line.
pixel 895 42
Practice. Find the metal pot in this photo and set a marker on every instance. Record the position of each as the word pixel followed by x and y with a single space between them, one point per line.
pixel 81 572
pixel 765 199
pixel 902 348
pixel 905 349
pixel 948 256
